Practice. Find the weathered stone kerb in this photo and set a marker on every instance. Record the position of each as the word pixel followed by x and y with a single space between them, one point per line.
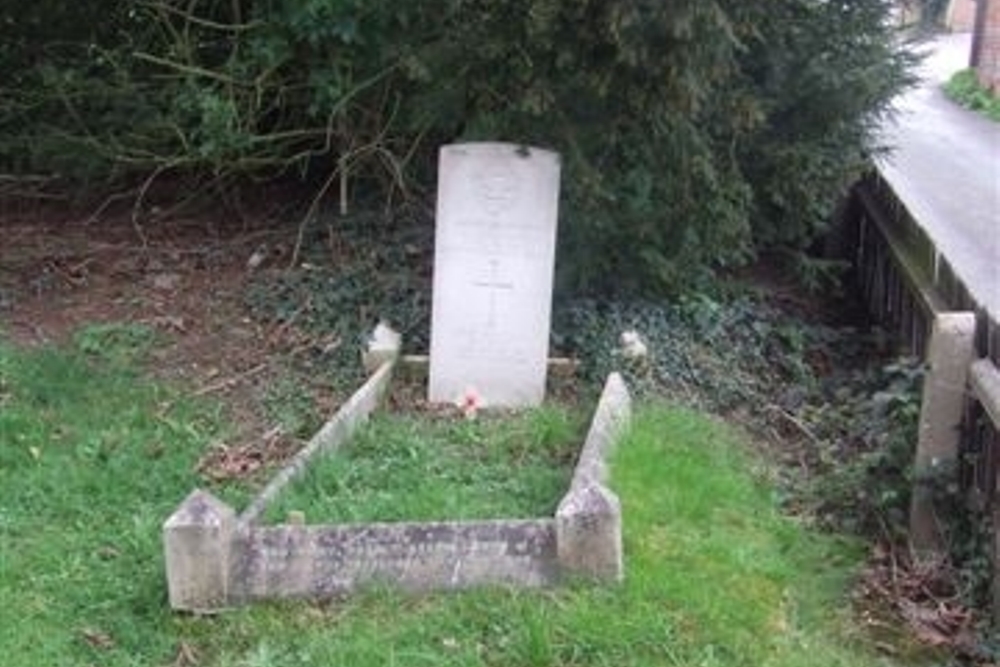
pixel 334 433
pixel 589 517
pixel 288 561
pixel 217 560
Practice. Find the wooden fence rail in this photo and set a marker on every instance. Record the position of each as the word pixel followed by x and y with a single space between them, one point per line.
pixel 908 285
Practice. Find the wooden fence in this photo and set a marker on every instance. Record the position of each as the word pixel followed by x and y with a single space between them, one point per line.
pixel 906 283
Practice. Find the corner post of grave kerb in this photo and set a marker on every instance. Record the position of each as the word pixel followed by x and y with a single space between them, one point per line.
pixel 950 352
pixel 589 518
pixel 383 347
pixel 589 534
pixel 197 541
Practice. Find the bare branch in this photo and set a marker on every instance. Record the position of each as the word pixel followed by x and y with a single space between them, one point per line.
pixel 189 69
pixel 188 15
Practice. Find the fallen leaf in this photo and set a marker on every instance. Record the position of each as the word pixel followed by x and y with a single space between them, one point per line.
pixel 108 553
pixel 97 639
pixel 171 322
pixel 166 282
pixel 257 258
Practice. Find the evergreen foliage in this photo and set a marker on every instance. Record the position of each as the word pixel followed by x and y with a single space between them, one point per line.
pixel 693 132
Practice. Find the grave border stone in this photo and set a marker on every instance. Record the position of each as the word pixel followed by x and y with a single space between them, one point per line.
pixel 217 560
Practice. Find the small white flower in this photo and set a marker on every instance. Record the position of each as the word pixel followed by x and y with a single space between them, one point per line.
pixel 383 345
pixel 384 338
pixel 632 346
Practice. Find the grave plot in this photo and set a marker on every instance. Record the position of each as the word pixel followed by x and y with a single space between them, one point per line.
pixel 424 465
pixel 494 258
pixel 217 559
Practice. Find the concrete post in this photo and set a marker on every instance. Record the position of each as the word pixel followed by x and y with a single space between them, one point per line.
pixel 589 533
pixel 949 354
pixel 197 540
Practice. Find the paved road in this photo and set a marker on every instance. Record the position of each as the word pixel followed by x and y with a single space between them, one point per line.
pixel 946 170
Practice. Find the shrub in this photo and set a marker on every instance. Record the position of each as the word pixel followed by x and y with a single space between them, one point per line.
pixel 692 132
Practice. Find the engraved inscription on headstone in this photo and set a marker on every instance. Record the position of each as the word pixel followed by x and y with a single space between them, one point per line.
pixel 493 265
pixel 496 186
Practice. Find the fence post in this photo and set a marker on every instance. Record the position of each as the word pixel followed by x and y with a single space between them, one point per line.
pixel 950 351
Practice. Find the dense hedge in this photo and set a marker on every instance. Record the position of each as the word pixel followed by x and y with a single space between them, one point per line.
pixel 693 131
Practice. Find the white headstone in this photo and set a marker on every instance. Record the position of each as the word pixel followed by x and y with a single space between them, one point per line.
pixel 493 265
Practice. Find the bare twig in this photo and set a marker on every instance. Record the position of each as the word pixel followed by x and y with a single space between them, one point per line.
pixel 286 325
pixel 26 178
pixel 189 69
pixel 106 203
pixel 203 22
pixel 310 212
pixel 794 421
pixel 137 206
pixel 229 381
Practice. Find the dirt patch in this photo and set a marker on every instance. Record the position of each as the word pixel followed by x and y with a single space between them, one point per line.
pixel 59 272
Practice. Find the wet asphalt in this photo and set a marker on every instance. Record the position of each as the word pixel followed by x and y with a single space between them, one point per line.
pixel 945 168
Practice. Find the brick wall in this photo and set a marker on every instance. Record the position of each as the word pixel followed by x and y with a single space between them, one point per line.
pixel 987 54
pixel 961 15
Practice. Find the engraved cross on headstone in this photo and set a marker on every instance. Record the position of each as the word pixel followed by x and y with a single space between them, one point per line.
pixel 494 285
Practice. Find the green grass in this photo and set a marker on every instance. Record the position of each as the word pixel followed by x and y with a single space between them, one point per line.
pixel 410 467
pixel 964 88
pixel 93 459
